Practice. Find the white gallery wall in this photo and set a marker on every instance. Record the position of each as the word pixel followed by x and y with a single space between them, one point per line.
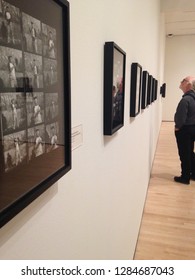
pixel 179 63
pixel 94 211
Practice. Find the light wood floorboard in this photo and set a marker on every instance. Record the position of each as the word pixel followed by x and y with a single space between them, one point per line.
pixel 168 225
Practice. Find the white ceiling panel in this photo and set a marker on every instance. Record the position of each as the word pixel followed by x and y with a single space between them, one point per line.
pixel 179 16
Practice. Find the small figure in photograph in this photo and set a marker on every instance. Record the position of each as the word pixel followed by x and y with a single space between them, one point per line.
pixel 12 72
pixel 37 111
pixel 33 37
pixel 54 138
pixel 38 144
pixel 53 110
pixel 35 70
pixel 51 81
pixel 9 161
pixel 51 46
pixel 4 122
pixel 8 18
pixel 4 31
pixel 18 156
pixel 14 114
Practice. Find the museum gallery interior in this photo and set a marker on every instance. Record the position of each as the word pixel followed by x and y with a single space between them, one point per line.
pixel 88 93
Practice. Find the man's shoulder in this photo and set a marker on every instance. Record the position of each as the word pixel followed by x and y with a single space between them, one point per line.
pixel 189 95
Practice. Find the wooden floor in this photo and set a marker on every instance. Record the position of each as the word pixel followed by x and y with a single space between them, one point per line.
pixel 168 225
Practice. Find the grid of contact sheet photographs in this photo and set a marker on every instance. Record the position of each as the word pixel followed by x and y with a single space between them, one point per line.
pixel 29 102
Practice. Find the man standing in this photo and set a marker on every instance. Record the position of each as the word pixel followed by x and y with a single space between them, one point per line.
pixel 8 18
pixel 37 111
pixel 38 144
pixel 12 72
pixel 34 68
pixel 185 130
pixel 33 37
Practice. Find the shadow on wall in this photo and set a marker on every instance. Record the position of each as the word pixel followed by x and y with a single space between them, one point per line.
pixel 108 139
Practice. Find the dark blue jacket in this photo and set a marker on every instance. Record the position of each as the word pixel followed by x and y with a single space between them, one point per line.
pixel 185 113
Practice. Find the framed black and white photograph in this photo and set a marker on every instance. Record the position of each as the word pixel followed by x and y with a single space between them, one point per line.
pixel 135 89
pixel 35 109
pixel 145 75
pixel 114 87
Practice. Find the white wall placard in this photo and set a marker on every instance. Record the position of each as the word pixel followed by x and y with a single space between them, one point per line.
pixel 77 136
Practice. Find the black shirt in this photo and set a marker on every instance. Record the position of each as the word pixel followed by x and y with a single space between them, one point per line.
pixel 185 113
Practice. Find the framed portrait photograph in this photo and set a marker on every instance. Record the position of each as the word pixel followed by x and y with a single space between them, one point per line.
pixel 114 87
pixel 35 108
pixel 135 89
pixel 145 76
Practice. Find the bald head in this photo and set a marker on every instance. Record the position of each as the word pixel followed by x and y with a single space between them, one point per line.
pixel 188 83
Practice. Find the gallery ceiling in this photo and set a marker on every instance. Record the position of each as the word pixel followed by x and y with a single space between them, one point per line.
pixel 179 16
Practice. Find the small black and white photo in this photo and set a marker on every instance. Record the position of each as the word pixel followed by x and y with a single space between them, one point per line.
pixel 13 111
pixel 32 36
pixel 34 70
pixel 1 10
pixel 35 108
pixel 15 149
pixel 51 106
pixel 49 41
pixel 10 28
pixel 36 141
pixel 50 72
pixel 11 68
pixel 52 136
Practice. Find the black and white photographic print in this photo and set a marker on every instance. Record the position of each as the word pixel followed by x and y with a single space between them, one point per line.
pixel 51 106
pixel 32 35
pixel 35 111
pixel 36 140
pixel 15 149
pixel 50 72
pixel 35 108
pixel 34 70
pixel 49 41
pixel 52 135
pixel 10 27
pixel 13 111
pixel 11 68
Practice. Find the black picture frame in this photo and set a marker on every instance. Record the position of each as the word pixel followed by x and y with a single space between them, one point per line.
pixel 145 76
pixel 135 89
pixel 163 90
pixel 155 89
pixel 149 89
pixel 35 100
pixel 114 87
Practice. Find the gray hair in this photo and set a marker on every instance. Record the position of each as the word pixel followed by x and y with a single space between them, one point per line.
pixel 193 85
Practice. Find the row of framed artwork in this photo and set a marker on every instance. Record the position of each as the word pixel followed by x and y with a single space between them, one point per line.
pixel 35 112
pixel 143 88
